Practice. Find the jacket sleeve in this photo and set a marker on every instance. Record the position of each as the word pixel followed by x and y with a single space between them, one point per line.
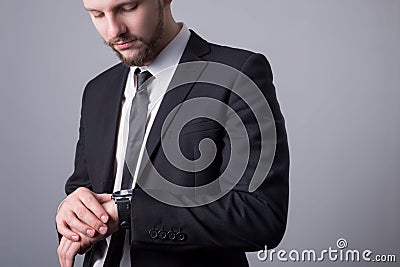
pixel 240 220
pixel 79 177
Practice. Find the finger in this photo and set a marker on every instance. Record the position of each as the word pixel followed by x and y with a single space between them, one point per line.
pixel 68 220
pixel 67 253
pixel 71 253
pixel 62 218
pixel 102 198
pixel 77 226
pixel 69 234
pixel 60 250
pixel 86 222
pixel 89 199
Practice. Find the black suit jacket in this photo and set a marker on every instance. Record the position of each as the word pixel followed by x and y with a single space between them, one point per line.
pixel 215 234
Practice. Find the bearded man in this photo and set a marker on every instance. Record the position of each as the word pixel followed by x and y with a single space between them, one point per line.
pixel 215 200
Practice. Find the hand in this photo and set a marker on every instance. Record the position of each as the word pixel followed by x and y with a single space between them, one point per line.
pixel 68 249
pixel 82 214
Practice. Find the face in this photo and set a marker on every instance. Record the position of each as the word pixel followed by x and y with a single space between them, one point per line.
pixel 132 28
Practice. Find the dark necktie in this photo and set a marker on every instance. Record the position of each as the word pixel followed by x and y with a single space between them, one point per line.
pixel 137 127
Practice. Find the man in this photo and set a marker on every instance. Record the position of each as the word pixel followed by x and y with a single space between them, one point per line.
pixel 159 226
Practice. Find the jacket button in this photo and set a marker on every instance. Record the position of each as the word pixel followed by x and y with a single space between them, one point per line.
pixel 180 236
pixel 162 234
pixel 171 235
pixel 153 234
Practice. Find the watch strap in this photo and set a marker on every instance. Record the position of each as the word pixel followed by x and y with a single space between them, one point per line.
pixel 124 212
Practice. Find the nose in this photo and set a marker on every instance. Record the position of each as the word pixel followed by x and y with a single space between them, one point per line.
pixel 116 27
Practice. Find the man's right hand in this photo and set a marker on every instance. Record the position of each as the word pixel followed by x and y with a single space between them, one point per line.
pixel 82 213
pixel 68 249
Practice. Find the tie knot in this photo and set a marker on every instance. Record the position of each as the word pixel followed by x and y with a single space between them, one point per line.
pixel 142 77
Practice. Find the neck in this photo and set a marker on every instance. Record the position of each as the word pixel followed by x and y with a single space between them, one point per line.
pixel 171 30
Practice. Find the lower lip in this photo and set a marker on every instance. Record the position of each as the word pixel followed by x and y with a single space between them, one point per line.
pixel 124 46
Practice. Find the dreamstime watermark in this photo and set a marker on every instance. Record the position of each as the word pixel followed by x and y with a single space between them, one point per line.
pixel 340 253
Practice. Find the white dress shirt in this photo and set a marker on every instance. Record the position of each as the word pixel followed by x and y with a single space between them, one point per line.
pixel 168 58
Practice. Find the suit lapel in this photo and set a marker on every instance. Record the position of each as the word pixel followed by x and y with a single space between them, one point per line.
pixel 195 49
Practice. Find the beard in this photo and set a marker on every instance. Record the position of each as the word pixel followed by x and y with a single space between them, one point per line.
pixel 147 51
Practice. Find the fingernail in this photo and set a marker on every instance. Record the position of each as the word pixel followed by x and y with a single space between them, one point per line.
pixel 103 230
pixel 90 232
pixel 104 218
pixel 75 238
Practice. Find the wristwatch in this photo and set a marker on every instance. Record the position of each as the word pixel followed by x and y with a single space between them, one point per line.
pixel 123 201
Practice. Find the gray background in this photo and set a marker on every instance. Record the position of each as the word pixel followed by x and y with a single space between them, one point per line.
pixel 337 73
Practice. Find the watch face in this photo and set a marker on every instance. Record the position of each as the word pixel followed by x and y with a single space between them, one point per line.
pixel 123 193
